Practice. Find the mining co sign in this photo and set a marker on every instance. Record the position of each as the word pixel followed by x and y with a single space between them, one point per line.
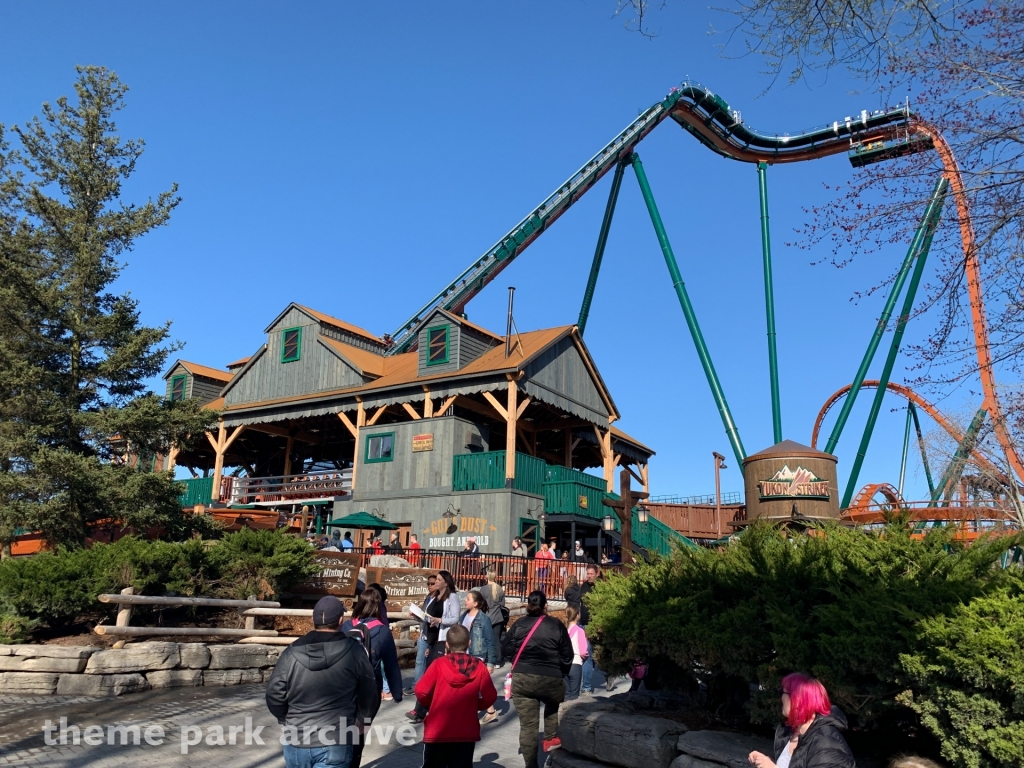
pixel 796 483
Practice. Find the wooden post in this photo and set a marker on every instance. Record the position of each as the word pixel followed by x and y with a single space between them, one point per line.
pixel 645 477
pixel 604 442
pixel 510 433
pixel 304 522
pixel 628 499
pixel 218 463
pixel 172 457
pixel 250 621
pixel 568 448
pixel 288 446
pixel 428 404
pixel 124 614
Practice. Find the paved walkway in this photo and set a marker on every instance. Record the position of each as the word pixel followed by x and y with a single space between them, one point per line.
pixel 200 711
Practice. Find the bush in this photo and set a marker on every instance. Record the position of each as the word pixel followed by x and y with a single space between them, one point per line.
pixel 261 563
pixel 866 613
pixel 14 629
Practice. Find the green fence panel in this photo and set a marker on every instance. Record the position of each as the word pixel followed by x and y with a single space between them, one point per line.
pixel 530 474
pixel 568 497
pixel 556 473
pixel 478 471
pixel 198 490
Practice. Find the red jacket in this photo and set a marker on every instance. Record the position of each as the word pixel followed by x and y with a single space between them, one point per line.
pixel 455 688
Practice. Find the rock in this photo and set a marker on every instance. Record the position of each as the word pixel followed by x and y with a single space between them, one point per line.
pixel 194 655
pixel 28 683
pixel 722 747
pixel 606 733
pixel 231 676
pixel 243 656
pixel 100 685
pixel 142 657
pixel 389 561
pixel 560 758
pixel 689 761
pixel 175 678
pixel 46 658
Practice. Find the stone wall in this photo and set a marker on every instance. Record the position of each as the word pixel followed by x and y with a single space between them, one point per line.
pixel 34 670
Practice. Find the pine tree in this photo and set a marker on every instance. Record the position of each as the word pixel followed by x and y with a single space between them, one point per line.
pixel 74 357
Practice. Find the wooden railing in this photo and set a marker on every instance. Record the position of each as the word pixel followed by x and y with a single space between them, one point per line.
pixel 312 485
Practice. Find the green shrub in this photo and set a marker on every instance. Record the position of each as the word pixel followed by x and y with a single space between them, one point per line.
pixel 860 611
pixel 261 563
pixel 14 629
pixel 54 587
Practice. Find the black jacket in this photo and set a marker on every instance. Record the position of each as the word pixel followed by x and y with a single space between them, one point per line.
pixel 823 746
pixel 549 652
pixel 383 649
pixel 319 680
pixel 574 596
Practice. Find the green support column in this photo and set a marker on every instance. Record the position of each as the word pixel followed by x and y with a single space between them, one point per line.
pixel 688 313
pixel 769 302
pixel 602 239
pixel 906 450
pixel 930 223
pixel 956 466
pixel 924 453
pixel 883 321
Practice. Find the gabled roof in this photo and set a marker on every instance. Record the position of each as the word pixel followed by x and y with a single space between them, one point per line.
pixel 238 363
pixel 618 434
pixel 201 370
pixel 463 322
pixel 321 317
pixel 366 362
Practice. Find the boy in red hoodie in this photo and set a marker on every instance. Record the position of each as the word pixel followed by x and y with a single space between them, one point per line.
pixel 455 688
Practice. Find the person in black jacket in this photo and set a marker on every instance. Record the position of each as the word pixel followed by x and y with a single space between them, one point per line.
pixel 320 691
pixel 811 736
pixel 542 655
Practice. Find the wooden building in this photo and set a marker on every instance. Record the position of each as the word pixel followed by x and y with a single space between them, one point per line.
pixel 321 416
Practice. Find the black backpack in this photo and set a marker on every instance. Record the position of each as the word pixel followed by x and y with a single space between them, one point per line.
pixel 361 631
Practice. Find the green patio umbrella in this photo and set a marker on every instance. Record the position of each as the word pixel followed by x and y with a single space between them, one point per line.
pixel 363 520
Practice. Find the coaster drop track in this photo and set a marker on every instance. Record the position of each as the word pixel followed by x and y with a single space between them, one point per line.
pixel 870 137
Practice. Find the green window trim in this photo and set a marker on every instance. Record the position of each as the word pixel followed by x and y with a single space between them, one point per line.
pixel 297 352
pixel 380 457
pixel 174 385
pixel 431 358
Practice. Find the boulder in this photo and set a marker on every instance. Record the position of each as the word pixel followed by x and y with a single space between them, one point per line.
pixel 175 678
pixel 243 656
pixel 100 685
pixel 194 655
pixel 28 683
pixel 722 747
pixel 46 658
pixel 562 759
pixel 141 657
pixel 389 561
pixel 231 676
pixel 689 761
pixel 601 731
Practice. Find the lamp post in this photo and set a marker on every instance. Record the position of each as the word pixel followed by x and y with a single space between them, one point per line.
pixel 719 466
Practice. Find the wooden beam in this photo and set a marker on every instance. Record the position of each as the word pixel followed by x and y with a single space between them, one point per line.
pixel 645 477
pixel 352 428
pixel 361 415
pixel 511 410
pixel 218 462
pixel 636 477
pixel 497 406
pixel 569 445
pixel 234 435
pixel 172 457
pixel 445 405
pixel 428 404
pixel 411 411
pixel 288 446
pixel 522 407
pixel 270 429
pixel 376 415
pixel 214 443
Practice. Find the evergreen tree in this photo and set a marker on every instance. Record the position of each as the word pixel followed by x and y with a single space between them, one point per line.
pixel 74 357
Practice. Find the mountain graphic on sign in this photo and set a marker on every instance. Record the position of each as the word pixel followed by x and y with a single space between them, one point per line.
pixel 796 476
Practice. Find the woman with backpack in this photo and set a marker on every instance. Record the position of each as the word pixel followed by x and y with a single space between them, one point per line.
pixel 494 594
pixel 542 655
pixel 366 626
pixel 481 638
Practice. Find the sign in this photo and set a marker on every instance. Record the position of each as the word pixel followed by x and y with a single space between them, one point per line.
pixel 422 443
pixel 796 483
pixel 403 585
pixel 583 502
pixel 339 575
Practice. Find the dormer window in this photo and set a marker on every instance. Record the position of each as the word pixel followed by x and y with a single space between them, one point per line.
pixel 291 344
pixel 437 345
pixel 178 388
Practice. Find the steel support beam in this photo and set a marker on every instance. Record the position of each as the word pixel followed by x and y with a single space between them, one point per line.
pixel 769 302
pixel 602 240
pixel 906 450
pixel 691 318
pixel 924 453
pixel 956 466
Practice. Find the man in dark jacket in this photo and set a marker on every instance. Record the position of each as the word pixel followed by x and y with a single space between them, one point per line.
pixel 394 547
pixel 322 689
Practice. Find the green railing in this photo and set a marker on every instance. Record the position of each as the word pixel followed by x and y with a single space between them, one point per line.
pixel 557 473
pixel 484 471
pixel 198 490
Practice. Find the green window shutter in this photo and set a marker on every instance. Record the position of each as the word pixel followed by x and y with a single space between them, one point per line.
pixel 291 345
pixel 178 384
pixel 437 345
pixel 380 447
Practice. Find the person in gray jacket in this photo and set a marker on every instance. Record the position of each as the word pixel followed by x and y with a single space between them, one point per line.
pixel 322 681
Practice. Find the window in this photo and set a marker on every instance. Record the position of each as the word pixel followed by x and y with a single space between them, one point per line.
pixel 380 447
pixel 291 344
pixel 178 388
pixel 437 345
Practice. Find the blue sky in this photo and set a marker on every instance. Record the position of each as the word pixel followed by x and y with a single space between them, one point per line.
pixel 356 157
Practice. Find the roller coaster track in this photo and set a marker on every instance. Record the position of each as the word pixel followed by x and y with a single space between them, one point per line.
pixel 714 124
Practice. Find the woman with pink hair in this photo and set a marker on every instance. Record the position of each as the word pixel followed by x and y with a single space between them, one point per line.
pixel 811 736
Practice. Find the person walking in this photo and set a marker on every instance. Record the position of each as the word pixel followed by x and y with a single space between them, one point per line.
pixel 383 653
pixel 520 567
pixel 454 690
pixel 593 571
pixel 543 555
pixel 414 549
pixel 542 655
pixel 442 614
pixel 580 649
pixel 347 544
pixel 811 736
pixel 494 594
pixel 422 646
pixel 481 637
pixel 322 680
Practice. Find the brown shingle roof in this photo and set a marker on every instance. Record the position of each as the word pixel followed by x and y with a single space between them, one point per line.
pixel 341 324
pixel 366 361
pixel 202 370
pixel 618 433
pixel 239 363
